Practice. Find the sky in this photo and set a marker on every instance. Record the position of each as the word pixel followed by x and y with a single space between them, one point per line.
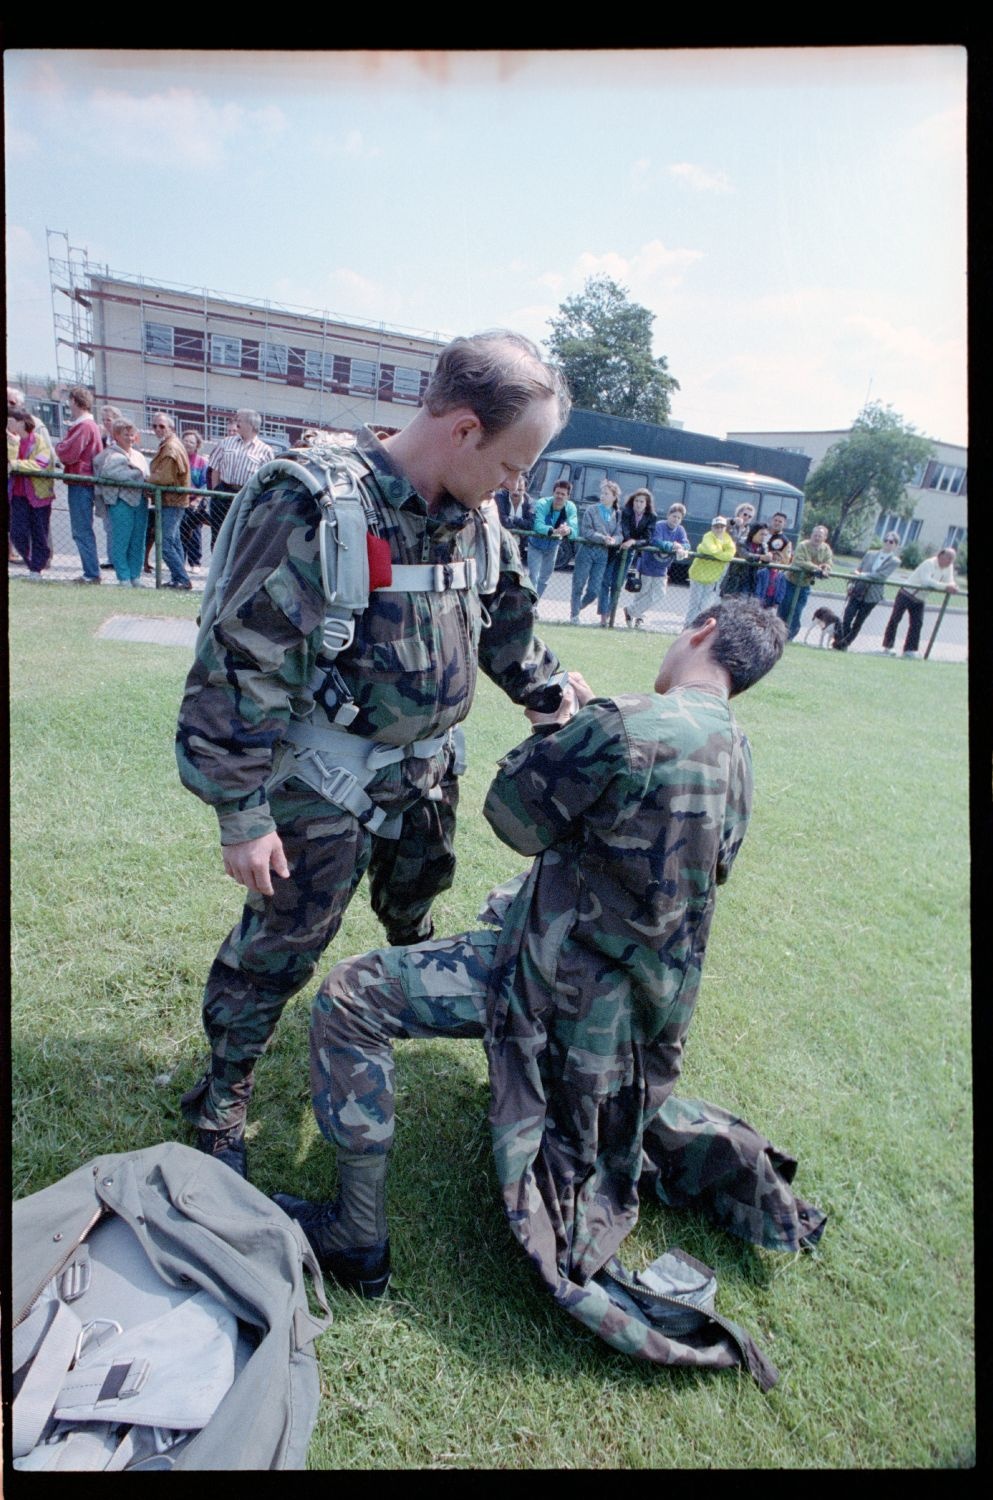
pixel 795 218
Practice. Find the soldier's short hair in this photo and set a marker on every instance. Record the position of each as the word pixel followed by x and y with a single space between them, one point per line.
pixel 497 375
pixel 82 397
pixel 748 641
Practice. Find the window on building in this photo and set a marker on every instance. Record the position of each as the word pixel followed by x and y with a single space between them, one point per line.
pixel 888 520
pixel 406 383
pixel 276 437
pixel 917 477
pixel 273 358
pixel 318 368
pixel 954 536
pixel 217 423
pixel 362 376
pixel 949 479
pixel 225 351
pixel 159 339
pixel 151 407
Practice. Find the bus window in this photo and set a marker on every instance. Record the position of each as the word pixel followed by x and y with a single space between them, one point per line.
pixel 546 475
pixel 590 480
pixel 666 492
pixel 703 501
pixel 734 496
pixel 628 482
pixel 786 503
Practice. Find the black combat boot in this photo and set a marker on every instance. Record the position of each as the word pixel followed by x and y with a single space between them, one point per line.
pixel 349 1236
pixel 226 1142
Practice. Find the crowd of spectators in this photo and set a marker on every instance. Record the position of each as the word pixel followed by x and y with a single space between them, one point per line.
pixel 110 458
pixel 629 550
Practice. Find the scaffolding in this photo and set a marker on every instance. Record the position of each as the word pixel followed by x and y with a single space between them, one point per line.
pixel 83 352
pixel 69 272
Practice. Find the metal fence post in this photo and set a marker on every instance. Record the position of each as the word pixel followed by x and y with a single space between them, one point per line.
pixel 158 536
pixel 623 568
pixel 937 624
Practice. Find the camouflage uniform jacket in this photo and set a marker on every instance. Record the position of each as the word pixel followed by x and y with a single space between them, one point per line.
pixel 640 804
pixel 411 668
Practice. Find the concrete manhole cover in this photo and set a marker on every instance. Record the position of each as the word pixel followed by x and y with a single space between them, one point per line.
pixel 157 630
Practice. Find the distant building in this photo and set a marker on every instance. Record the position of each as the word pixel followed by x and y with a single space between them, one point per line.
pixel 199 356
pixel 938 488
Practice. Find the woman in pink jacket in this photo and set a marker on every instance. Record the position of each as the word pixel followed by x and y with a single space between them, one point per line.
pixel 30 497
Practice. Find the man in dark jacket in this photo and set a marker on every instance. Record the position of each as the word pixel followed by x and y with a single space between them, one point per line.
pixel 517 512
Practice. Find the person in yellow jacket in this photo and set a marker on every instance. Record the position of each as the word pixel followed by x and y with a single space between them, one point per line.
pixel 715 550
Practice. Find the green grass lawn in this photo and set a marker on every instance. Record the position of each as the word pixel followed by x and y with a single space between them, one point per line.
pixel 834 1015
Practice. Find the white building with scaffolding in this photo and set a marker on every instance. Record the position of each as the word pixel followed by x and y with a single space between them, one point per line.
pixel 201 355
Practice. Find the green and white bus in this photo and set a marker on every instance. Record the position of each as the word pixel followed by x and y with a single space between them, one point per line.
pixel 707 490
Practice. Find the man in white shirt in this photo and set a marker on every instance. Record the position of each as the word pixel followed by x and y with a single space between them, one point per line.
pixel 936 572
pixel 233 461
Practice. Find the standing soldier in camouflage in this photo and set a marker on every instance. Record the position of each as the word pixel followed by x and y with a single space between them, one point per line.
pixel 583 990
pixel 354 593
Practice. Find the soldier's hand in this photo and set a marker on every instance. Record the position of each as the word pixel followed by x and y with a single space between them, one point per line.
pixel 584 693
pixel 250 863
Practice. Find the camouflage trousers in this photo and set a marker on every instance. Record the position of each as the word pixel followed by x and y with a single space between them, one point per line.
pixel 437 988
pixel 276 946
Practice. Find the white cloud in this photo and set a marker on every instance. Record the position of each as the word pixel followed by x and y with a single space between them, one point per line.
pixel 352 145
pixel 531 320
pixel 651 272
pixel 177 127
pixel 699 178
pixel 341 290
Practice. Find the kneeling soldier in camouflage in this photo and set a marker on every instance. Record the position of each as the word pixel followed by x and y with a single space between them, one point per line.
pixel 583 991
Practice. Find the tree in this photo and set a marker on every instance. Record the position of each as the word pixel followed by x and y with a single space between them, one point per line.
pixel 866 472
pixel 603 342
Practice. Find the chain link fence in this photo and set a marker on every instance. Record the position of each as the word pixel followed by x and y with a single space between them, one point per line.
pixel 944 634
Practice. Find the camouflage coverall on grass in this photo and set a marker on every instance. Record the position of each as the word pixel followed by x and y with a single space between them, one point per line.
pixel 411 671
pixel 583 993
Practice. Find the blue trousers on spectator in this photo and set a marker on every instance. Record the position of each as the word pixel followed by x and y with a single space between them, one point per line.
pixel 541 566
pixel 587 577
pixel 81 525
pixel 801 593
pixel 127 539
pixel 172 547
